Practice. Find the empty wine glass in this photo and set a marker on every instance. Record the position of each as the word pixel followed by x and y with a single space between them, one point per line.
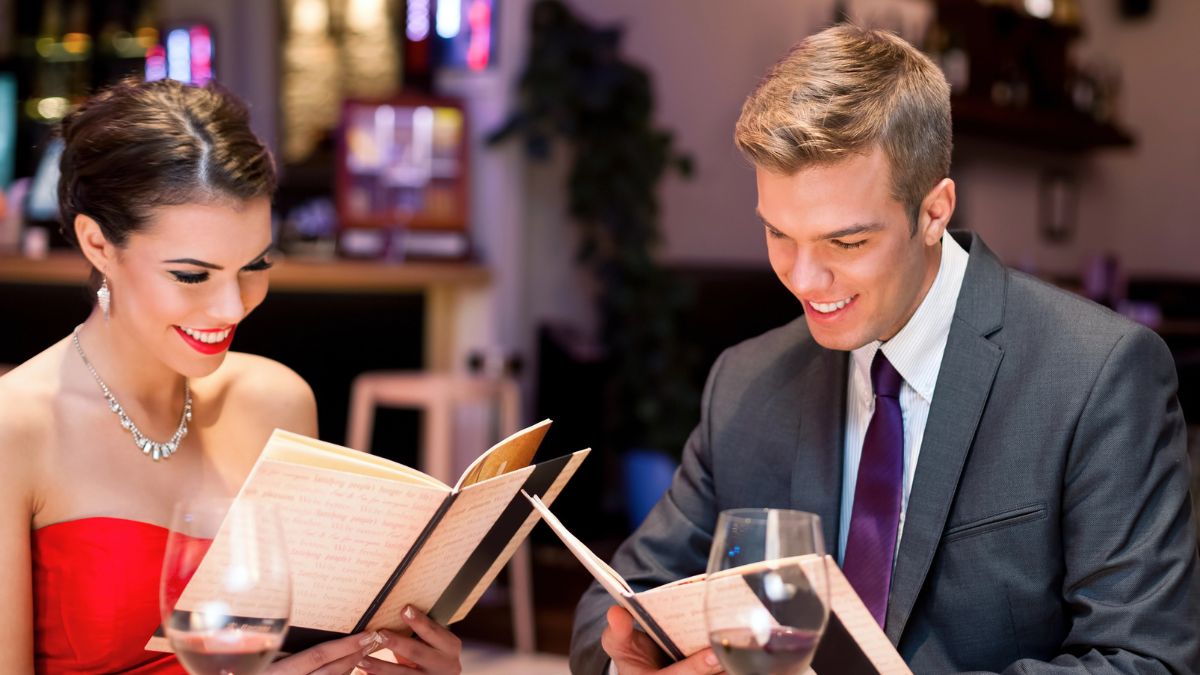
pixel 766 597
pixel 225 593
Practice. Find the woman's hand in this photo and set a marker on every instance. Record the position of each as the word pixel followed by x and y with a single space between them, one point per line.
pixel 433 649
pixel 336 657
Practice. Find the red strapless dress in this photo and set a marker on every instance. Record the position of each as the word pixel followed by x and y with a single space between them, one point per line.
pixel 95 596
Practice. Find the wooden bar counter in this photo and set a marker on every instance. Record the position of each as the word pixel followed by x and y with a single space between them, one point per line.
pixel 442 284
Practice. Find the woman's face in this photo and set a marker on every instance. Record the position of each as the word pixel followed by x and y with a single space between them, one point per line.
pixel 181 285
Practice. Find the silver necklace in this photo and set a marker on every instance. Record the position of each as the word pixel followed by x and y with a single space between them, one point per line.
pixel 151 449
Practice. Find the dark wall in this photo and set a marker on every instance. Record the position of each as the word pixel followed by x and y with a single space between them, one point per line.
pixel 326 338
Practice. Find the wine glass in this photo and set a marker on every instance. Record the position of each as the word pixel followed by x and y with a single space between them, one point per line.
pixel 766 598
pixel 225 594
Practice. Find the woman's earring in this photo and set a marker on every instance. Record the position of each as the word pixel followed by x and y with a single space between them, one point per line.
pixel 104 298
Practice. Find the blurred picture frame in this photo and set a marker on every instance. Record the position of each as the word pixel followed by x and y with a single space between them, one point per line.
pixel 402 164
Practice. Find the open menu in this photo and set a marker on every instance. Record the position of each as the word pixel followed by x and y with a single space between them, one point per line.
pixel 367 536
pixel 673 614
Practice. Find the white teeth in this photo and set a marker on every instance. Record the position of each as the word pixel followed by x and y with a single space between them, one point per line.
pixel 827 307
pixel 207 337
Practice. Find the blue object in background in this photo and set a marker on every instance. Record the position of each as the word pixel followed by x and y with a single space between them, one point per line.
pixel 42 202
pixel 8 127
pixel 647 475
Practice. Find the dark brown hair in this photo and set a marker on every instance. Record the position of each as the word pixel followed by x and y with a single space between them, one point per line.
pixel 138 145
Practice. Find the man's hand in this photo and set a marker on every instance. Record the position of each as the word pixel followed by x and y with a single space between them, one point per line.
pixel 634 653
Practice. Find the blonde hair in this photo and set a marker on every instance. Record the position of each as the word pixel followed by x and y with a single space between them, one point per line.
pixel 841 92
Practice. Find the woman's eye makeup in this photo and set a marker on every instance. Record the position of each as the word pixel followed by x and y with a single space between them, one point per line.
pixel 196 277
pixel 259 265
pixel 189 277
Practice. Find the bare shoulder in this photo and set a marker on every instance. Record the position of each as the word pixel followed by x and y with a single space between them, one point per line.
pixel 250 374
pixel 29 399
pixel 29 395
pixel 22 416
pixel 267 390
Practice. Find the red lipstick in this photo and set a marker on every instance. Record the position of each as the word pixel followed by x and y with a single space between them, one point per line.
pixel 205 347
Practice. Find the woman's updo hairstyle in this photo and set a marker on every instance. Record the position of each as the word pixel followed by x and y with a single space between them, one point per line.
pixel 139 145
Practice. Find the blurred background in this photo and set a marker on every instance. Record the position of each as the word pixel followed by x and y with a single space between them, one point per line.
pixel 545 195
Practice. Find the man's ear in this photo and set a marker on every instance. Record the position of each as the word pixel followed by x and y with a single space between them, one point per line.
pixel 936 209
pixel 95 246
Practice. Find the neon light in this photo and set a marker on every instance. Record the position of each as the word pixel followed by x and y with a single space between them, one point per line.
pixel 156 63
pixel 310 17
pixel 53 108
pixel 147 37
pixel 179 66
pixel 77 43
pixel 479 46
pixel 8 127
pixel 416 25
pixel 449 18
pixel 365 15
pixel 202 51
pixel 1042 9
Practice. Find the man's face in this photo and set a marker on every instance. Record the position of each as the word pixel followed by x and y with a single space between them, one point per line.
pixel 843 245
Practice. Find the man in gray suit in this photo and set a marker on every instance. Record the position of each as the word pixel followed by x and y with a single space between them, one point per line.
pixel 1026 510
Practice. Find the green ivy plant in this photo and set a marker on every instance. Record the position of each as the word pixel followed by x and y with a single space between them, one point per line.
pixel 577 90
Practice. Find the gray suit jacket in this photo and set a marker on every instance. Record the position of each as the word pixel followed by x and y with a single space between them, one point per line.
pixel 1049 526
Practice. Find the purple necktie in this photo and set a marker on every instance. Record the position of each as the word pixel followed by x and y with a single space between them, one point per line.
pixel 871 544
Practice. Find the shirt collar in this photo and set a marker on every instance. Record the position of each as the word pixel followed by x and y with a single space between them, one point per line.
pixel 916 351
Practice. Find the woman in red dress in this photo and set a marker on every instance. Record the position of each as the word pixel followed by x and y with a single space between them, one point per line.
pixel 166 191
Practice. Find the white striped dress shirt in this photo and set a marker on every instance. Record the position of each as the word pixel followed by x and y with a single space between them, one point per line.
pixel 916 353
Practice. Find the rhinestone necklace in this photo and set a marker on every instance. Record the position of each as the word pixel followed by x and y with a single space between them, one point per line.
pixel 151 449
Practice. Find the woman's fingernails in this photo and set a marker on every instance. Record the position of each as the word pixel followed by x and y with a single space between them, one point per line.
pixel 710 659
pixel 408 613
pixel 369 638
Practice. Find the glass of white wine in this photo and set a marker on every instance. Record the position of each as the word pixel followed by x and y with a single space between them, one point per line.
pixel 766 599
pixel 225 593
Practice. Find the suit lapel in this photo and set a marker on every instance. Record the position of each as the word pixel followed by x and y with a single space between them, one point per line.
pixel 964 382
pixel 817 467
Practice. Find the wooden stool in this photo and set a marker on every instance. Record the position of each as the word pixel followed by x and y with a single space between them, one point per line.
pixel 437 395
